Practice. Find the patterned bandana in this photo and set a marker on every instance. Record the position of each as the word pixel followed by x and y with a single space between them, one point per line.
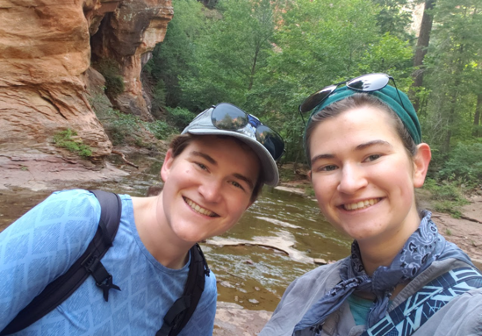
pixel 422 248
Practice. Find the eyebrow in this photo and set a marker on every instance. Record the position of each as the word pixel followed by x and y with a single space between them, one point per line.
pixel 205 156
pixel 245 179
pixel 373 143
pixel 322 156
pixel 214 162
pixel 359 147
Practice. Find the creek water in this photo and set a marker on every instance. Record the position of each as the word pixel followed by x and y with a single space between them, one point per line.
pixel 274 242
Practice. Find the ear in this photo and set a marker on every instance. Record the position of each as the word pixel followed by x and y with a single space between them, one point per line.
pixel 166 166
pixel 421 161
pixel 309 174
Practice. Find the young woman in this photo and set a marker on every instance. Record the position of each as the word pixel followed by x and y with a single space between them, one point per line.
pixel 363 143
pixel 212 173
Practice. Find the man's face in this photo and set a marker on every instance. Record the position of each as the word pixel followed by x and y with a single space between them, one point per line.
pixel 207 187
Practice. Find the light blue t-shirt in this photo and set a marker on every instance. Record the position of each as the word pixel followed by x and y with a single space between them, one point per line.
pixel 360 308
pixel 47 240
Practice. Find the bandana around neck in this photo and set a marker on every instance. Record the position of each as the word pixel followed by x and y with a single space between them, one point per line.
pixel 422 248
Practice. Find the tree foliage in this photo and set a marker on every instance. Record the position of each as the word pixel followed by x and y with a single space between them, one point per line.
pixel 267 56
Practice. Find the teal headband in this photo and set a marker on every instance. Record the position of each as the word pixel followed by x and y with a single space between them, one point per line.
pixel 389 96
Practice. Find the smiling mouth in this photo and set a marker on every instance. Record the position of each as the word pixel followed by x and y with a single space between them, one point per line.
pixel 361 205
pixel 199 209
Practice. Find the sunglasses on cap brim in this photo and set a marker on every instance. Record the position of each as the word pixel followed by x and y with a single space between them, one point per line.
pixel 365 83
pixel 228 117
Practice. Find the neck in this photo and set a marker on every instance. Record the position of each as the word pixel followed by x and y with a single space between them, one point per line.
pixel 156 235
pixel 381 251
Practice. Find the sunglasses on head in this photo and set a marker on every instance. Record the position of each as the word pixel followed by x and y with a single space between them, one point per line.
pixel 365 83
pixel 228 117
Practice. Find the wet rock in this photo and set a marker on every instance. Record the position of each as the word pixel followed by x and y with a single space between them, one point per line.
pixel 226 284
pixel 233 320
pixel 320 261
pixel 249 262
pixel 253 301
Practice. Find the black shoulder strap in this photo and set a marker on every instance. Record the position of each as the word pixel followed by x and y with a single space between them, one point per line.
pixel 88 264
pixel 182 310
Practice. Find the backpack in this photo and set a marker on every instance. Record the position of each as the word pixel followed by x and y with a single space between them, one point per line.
pixel 90 264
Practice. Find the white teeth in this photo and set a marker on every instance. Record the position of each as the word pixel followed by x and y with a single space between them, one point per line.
pixel 361 204
pixel 198 209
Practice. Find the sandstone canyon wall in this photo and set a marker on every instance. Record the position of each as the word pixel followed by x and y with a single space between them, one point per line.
pixel 46 49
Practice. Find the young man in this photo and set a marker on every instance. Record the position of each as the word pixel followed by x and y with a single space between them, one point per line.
pixel 212 173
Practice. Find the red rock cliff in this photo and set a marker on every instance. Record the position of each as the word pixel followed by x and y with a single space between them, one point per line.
pixel 45 54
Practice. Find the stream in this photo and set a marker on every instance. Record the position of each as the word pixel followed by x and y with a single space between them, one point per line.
pixel 276 240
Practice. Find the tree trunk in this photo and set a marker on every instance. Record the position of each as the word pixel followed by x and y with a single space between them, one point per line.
pixel 253 68
pixel 421 50
pixel 478 109
pixel 458 69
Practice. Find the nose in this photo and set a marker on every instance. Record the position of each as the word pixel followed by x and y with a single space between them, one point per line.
pixel 352 179
pixel 211 190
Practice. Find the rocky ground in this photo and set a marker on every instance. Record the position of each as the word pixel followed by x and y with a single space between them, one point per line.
pixel 39 171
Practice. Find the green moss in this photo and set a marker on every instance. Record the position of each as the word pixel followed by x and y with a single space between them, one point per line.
pixel 64 139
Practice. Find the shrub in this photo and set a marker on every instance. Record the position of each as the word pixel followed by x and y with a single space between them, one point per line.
pixel 180 117
pixel 114 82
pixel 159 96
pixel 447 196
pixel 160 129
pixel 64 139
pixel 464 165
pixel 128 128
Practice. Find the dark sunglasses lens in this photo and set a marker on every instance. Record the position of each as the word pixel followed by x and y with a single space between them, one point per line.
pixel 228 117
pixel 271 141
pixel 316 98
pixel 368 83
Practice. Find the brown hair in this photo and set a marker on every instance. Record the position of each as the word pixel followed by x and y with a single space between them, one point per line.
pixel 180 142
pixel 357 101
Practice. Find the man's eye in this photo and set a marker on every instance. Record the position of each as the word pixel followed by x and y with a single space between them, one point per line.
pixel 202 166
pixel 237 185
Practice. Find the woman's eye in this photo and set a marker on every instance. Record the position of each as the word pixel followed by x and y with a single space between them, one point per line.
pixel 327 168
pixel 373 157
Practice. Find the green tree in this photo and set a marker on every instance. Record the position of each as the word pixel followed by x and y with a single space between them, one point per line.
pixel 421 50
pixel 394 17
pixel 318 43
pixel 229 53
pixel 454 77
pixel 171 59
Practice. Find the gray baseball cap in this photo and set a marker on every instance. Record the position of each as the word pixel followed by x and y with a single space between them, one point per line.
pixel 224 119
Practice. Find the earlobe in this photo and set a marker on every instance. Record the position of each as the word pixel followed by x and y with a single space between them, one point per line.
pixel 166 166
pixel 421 161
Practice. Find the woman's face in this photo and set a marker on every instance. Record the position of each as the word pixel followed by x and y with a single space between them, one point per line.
pixel 363 177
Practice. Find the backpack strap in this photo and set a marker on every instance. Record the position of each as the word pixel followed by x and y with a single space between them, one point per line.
pixel 88 264
pixel 410 315
pixel 181 311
